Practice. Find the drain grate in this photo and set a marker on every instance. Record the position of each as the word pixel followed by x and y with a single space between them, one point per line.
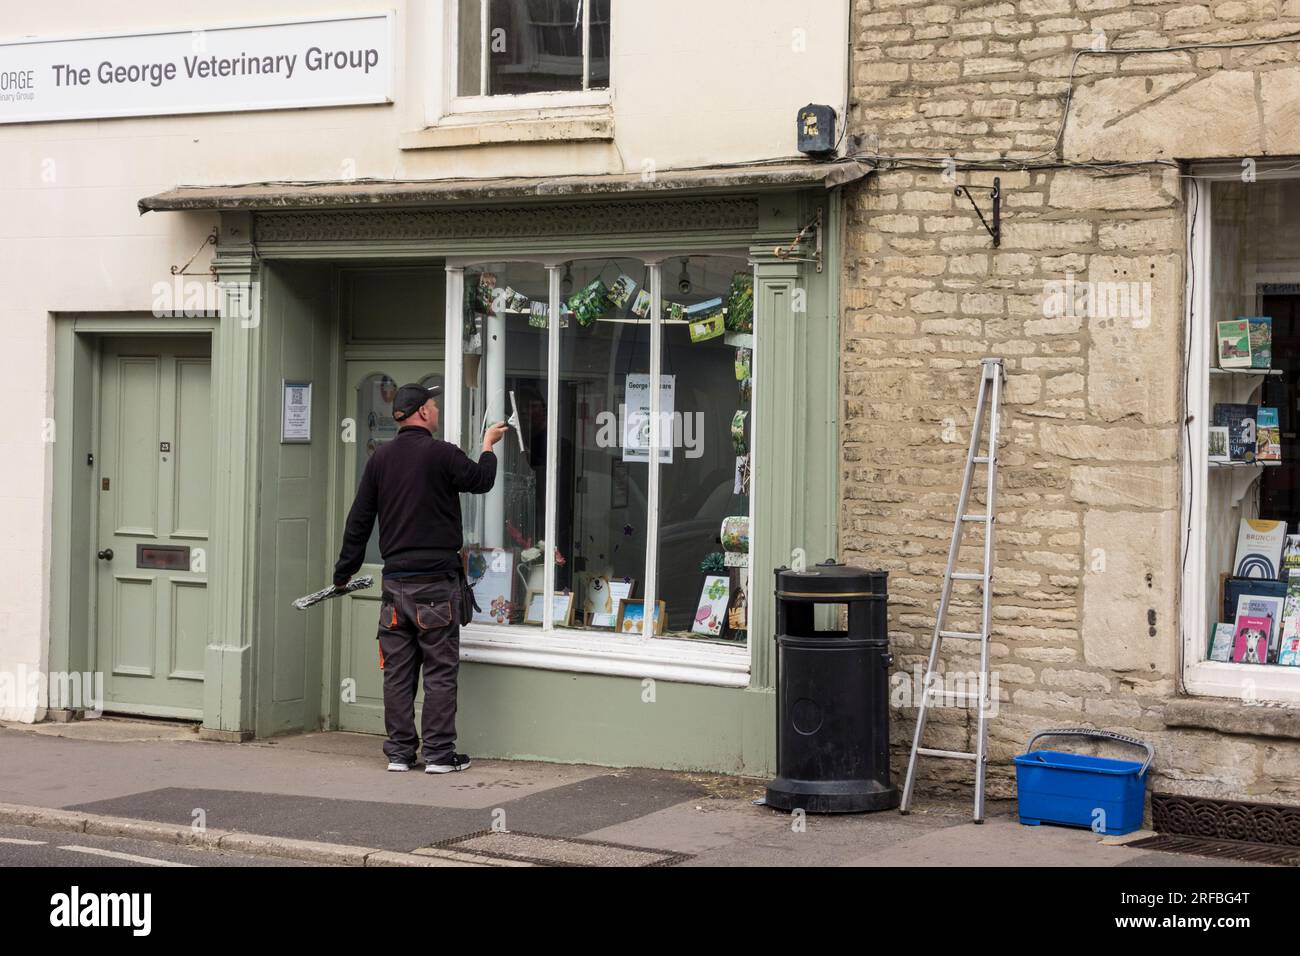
pixel 558 851
pixel 1222 849
pixel 1231 820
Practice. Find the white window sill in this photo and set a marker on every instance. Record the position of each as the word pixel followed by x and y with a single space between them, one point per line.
pixel 553 125
pixel 1244 682
pixel 658 658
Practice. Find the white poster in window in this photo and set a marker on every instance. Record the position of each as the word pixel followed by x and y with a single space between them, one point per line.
pixel 295 414
pixel 636 418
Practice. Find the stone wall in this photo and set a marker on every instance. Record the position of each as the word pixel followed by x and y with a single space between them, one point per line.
pixel 1086 626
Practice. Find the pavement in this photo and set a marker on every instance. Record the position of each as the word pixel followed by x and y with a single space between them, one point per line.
pixel 153 793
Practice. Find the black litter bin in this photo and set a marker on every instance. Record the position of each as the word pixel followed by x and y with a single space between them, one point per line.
pixel 832 716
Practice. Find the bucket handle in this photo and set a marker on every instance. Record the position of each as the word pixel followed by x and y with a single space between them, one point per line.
pixel 1101 734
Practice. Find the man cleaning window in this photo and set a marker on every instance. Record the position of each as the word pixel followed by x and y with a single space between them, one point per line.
pixel 413 483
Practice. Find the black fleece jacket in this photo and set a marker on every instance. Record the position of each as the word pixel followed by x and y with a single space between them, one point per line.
pixel 413 483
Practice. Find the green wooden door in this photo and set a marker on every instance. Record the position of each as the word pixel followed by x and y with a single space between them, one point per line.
pixel 153 474
pixel 369 392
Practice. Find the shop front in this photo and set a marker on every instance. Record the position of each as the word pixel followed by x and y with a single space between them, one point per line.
pixel 669 365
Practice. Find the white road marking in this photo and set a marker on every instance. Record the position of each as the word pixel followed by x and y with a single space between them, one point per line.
pixel 95 851
pixel 19 842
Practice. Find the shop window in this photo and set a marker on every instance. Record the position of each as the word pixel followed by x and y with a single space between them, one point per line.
pixel 1245 524
pixel 704 476
pixel 644 529
pixel 505 368
pixel 512 48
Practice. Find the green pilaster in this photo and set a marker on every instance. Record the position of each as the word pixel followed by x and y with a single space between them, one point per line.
pixel 796 394
pixel 233 564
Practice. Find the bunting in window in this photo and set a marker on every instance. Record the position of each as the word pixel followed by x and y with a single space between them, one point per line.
pixel 589 302
pixel 740 303
pixel 620 293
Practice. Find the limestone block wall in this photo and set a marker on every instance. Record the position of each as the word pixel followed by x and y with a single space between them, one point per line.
pixel 1086 614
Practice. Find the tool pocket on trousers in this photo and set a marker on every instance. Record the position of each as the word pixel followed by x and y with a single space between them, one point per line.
pixel 387 615
pixel 429 617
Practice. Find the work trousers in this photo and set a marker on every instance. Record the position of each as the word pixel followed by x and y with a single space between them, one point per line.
pixel 419 623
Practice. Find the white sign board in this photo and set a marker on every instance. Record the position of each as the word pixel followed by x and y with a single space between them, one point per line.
pixel 637 418
pixel 284 65
pixel 295 412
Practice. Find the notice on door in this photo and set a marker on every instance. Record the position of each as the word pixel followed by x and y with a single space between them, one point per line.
pixel 323 62
pixel 295 418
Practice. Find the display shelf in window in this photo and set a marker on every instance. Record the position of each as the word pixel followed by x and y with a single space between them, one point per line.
pixel 1215 370
pixel 1244 464
pixel 1242 475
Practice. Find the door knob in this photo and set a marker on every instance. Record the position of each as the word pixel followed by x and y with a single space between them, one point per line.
pixel 106 554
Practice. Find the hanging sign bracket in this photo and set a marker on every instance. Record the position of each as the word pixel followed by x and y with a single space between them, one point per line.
pixel 995 195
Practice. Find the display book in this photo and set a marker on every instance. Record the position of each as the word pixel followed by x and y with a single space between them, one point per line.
pixel 1242 431
pixel 1245 342
pixel 1261 598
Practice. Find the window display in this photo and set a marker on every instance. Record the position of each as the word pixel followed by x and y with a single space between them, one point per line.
pixel 1252 512
pixel 587 410
pixel 705 485
pixel 504 372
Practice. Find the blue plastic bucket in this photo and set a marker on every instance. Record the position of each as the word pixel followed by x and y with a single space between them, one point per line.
pixel 1101 793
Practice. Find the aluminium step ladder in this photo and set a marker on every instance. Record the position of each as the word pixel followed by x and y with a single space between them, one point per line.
pixel 992 378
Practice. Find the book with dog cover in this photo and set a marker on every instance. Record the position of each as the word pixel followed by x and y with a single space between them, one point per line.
pixel 1269 608
pixel 1250 646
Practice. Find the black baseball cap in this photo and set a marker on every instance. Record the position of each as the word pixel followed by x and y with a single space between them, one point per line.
pixel 410 398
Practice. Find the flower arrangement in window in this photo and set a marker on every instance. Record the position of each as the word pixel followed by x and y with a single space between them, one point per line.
pixel 713 563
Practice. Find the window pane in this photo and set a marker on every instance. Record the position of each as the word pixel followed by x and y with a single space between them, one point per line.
pixel 598 74
pixel 469 40
pixel 534 46
pixel 505 352
pixel 1254 340
pixel 704 478
pixel 602 471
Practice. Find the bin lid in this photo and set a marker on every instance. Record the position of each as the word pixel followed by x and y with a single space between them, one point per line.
pixel 830 581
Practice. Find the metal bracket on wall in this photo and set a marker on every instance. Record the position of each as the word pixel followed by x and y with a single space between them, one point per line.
pixel 787 252
pixel 211 240
pixel 995 194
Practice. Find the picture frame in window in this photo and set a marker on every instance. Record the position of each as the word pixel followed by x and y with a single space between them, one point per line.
pixel 561 609
pixel 711 612
pixel 631 614
pixel 619 590
pixel 1217 447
